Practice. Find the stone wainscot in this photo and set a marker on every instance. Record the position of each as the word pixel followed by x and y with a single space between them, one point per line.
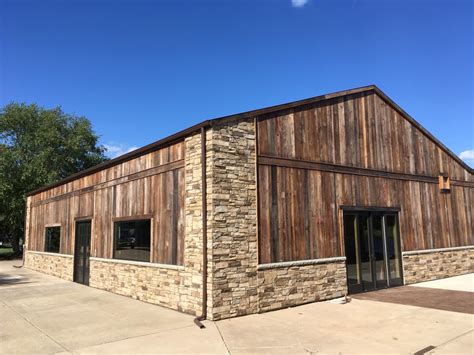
pixel 433 264
pixel 287 284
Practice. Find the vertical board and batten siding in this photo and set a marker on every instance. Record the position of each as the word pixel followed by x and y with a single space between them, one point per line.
pixel 359 130
pixel 355 150
pixel 296 214
pixel 150 185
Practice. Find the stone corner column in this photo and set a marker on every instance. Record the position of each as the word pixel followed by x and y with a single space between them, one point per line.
pixel 190 298
pixel 232 219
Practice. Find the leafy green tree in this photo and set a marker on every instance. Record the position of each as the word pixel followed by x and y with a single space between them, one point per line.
pixel 39 146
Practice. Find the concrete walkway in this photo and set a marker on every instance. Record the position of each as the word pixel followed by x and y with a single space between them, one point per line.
pixel 43 314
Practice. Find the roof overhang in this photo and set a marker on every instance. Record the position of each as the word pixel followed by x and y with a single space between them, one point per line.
pixel 245 115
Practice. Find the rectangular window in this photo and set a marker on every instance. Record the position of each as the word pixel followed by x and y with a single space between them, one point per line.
pixel 132 240
pixel 52 239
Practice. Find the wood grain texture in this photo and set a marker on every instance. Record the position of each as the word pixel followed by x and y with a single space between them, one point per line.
pixel 298 219
pixel 355 150
pixel 152 185
pixel 356 130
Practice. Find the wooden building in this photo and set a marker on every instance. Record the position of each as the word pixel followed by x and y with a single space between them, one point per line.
pixel 276 207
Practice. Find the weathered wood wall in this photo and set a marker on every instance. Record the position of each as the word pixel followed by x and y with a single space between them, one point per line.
pixel 356 150
pixel 148 186
pixel 358 130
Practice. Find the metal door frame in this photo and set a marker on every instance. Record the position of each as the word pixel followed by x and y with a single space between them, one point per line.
pixel 84 281
pixel 383 213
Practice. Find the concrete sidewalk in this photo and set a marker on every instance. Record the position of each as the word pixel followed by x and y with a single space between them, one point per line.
pixel 43 314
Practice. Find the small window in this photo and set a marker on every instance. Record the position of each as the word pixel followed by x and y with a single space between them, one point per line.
pixel 444 183
pixel 52 239
pixel 132 240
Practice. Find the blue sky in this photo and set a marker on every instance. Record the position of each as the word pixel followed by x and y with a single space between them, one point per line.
pixel 141 70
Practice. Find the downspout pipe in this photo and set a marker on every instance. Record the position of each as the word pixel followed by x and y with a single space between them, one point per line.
pixel 203 316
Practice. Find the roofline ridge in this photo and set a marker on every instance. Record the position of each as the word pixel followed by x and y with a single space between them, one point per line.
pixel 248 114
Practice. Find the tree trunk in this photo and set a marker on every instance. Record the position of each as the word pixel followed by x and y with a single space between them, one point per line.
pixel 16 244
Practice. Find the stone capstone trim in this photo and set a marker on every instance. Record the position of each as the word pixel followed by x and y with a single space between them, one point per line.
pixel 59 265
pixel 284 264
pixel 139 263
pixel 51 254
pixel 428 251
pixel 437 264
pixel 299 284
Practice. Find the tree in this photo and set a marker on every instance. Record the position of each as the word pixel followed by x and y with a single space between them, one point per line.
pixel 39 146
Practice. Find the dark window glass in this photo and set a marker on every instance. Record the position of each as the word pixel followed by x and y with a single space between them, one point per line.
pixel 378 248
pixel 132 240
pixel 52 239
pixel 352 251
pixel 366 262
pixel 393 247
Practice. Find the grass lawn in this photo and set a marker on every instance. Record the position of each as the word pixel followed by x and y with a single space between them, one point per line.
pixel 5 251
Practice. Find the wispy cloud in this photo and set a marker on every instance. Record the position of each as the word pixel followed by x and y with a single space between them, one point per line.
pixel 467 156
pixel 299 3
pixel 116 149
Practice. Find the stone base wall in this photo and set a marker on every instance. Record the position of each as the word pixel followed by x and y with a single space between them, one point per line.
pixel 58 265
pixel 297 283
pixel 426 265
pixel 153 284
pixel 164 285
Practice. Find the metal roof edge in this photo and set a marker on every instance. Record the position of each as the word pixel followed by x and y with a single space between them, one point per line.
pixel 248 114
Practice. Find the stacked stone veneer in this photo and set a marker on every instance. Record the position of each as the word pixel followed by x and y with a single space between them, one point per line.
pixel 232 219
pixel 297 283
pixel 162 285
pixel 191 292
pixel 58 265
pixel 426 265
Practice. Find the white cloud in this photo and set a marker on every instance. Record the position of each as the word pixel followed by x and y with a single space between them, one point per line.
pixel 299 3
pixel 467 154
pixel 116 149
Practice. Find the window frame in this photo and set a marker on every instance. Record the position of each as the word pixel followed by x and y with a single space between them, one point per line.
pixel 45 246
pixel 129 219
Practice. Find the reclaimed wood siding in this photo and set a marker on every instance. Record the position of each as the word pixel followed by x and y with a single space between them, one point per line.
pixel 300 215
pixel 296 214
pixel 428 218
pixel 151 185
pixel 355 130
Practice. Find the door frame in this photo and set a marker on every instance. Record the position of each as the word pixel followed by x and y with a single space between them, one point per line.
pixel 77 221
pixel 369 212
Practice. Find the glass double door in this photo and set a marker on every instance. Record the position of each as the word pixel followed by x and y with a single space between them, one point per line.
pixel 372 246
